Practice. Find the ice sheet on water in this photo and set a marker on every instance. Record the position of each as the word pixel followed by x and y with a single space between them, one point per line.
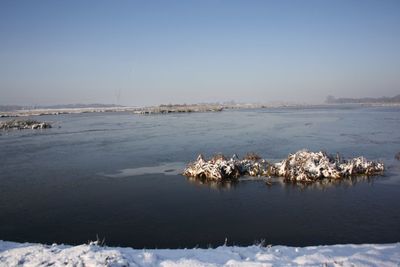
pixel 170 168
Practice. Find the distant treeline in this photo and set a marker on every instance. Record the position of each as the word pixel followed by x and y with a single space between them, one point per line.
pixel 10 107
pixel 16 107
pixel 364 100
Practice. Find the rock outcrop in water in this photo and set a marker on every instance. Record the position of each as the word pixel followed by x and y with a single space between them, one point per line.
pixel 302 166
pixel 221 168
pixel 23 124
pixel 306 166
pixel 217 168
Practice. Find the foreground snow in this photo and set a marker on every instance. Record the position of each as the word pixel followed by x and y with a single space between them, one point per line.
pixel 15 254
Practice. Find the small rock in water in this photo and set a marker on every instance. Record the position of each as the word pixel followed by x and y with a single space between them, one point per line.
pixel 397 156
pixel 220 168
pixel 217 168
pixel 23 124
pixel 302 166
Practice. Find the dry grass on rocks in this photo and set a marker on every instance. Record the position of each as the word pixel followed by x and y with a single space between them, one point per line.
pixel 302 166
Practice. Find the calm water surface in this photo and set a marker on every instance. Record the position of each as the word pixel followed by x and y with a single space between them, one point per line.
pixel 116 175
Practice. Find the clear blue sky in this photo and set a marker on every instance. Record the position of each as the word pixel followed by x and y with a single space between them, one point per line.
pixel 152 52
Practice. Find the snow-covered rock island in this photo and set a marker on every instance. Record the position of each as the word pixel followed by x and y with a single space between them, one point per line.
pixel 16 254
pixel 23 124
pixel 302 166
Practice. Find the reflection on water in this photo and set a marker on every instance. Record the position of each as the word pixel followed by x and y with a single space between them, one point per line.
pixel 333 183
pixel 279 181
pixel 226 184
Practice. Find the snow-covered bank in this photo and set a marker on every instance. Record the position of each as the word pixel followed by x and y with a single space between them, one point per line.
pixel 15 254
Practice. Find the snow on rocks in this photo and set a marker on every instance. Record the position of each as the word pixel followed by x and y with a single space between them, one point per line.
pixel 306 166
pixel 217 168
pixel 15 254
pixel 23 124
pixel 221 168
pixel 302 166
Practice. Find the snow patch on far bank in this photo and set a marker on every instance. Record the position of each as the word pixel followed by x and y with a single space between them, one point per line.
pixel 16 254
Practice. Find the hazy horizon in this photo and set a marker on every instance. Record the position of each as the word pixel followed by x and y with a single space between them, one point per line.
pixel 138 53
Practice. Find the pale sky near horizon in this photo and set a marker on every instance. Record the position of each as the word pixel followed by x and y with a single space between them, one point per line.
pixel 153 52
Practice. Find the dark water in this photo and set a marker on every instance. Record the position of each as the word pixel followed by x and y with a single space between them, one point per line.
pixel 115 176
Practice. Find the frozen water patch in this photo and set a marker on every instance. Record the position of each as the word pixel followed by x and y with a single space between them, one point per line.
pixel 15 254
pixel 170 168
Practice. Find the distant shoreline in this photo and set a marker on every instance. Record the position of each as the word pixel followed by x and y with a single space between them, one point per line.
pixel 363 100
pixel 60 111
pixel 165 109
